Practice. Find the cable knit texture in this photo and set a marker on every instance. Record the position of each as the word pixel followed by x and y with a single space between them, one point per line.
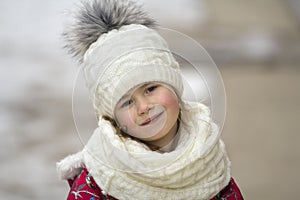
pixel 197 169
pixel 124 56
pixel 122 59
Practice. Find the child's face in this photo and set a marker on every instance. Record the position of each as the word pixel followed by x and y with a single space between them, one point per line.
pixel 149 112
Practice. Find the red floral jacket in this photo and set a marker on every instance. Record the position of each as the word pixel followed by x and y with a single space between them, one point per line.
pixel 85 187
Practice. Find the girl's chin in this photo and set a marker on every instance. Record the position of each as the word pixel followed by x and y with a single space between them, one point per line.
pixel 148 131
pixel 153 136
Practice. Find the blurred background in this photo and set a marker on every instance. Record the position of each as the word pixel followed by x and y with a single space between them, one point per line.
pixel 255 45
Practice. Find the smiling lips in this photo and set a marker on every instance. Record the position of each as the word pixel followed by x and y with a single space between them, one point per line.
pixel 151 119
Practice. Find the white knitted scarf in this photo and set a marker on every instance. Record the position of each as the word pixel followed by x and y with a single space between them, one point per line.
pixel 198 168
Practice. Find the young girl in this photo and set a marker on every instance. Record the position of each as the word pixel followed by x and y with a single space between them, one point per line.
pixel 149 144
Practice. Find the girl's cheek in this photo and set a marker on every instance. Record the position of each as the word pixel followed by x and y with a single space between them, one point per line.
pixel 121 118
pixel 170 100
pixel 126 118
pixel 131 117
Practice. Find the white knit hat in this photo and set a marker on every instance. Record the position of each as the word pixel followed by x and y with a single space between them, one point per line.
pixel 119 49
pixel 122 59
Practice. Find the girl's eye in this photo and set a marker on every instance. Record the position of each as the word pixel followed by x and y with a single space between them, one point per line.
pixel 127 103
pixel 151 88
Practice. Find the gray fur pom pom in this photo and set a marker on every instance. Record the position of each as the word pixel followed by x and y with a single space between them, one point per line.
pixel 96 17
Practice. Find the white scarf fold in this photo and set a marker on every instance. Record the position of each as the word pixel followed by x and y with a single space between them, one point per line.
pixel 198 168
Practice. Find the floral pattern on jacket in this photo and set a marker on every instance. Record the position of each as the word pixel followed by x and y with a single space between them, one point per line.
pixel 84 187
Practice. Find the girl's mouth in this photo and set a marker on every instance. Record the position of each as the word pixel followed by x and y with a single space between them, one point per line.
pixel 152 119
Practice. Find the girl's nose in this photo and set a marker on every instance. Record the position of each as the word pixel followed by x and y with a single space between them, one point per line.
pixel 143 106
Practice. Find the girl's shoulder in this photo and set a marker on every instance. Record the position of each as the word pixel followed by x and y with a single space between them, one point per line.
pixel 230 192
pixel 83 186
